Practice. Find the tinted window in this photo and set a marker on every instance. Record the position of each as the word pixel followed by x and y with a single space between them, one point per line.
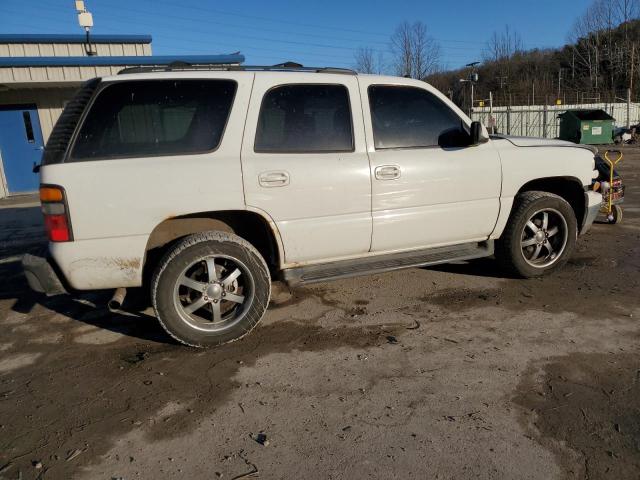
pixel 155 117
pixel 405 117
pixel 305 118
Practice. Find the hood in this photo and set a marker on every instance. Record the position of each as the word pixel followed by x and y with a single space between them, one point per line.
pixel 542 142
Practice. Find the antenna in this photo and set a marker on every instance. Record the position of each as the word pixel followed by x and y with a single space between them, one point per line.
pixel 85 19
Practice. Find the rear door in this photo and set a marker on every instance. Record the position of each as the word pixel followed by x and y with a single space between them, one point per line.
pixel 305 164
pixel 20 147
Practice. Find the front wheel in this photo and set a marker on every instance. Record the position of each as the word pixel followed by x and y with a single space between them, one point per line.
pixel 210 289
pixel 540 235
pixel 616 215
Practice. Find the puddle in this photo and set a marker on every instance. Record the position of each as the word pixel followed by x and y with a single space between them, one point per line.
pixel 585 408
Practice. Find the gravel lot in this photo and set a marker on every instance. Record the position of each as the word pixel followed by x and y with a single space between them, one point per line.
pixel 448 372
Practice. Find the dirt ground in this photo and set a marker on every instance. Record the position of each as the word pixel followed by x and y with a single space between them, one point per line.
pixel 448 372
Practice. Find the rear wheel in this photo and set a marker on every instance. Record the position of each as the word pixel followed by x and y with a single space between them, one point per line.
pixel 540 235
pixel 211 288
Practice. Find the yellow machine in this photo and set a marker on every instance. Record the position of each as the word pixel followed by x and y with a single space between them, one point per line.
pixel 611 195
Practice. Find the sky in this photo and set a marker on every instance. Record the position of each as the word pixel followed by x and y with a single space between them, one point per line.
pixel 314 33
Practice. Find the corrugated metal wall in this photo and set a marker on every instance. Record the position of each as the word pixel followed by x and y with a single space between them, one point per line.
pixel 72 49
pixel 50 99
pixel 50 102
pixel 9 75
pixel 64 74
pixel 529 121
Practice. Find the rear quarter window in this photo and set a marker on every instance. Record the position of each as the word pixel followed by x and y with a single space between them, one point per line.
pixel 154 118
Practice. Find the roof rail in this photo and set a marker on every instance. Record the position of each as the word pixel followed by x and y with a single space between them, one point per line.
pixel 180 66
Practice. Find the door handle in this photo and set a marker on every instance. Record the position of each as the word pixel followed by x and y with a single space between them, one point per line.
pixel 273 179
pixel 387 172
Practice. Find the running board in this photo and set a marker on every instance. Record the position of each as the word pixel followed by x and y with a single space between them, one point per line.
pixel 386 262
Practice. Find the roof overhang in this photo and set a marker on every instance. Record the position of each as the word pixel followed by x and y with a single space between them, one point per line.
pixel 38 72
pixel 70 38
pixel 121 61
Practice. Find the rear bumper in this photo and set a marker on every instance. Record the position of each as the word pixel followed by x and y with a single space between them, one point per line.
pixel 41 275
pixel 592 203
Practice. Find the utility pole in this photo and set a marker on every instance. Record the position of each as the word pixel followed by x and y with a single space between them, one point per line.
pixel 533 92
pixel 559 82
pixel 472 79
pixel 491 119
pixel 633 51
pixel 596 69
pixel 628 108
pixel 472 82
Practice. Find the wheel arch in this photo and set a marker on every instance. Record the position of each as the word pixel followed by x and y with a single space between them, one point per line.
pixel 256 228
pixel 567 187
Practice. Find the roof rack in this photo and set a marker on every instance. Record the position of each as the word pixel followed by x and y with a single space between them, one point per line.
pixel 180 66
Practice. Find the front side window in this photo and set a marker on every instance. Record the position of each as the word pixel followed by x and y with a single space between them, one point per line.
pixel 411 117
pixel 305 119
pixel 155 117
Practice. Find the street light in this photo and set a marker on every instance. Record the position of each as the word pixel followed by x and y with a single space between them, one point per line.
pixel 472 79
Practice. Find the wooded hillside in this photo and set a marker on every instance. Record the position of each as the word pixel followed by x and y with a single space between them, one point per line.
pixel 599 63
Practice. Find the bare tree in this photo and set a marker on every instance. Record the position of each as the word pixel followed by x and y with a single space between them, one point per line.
pixel 503 45
pixel 415 53
pixel 367 61
pixel 594 44
pixel 586 39
pixel 627 10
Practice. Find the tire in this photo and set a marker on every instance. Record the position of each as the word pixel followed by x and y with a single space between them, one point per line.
pixel 204 309
pixel 616 214
pixel 524 252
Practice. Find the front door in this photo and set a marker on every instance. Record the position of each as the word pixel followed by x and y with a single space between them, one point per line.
pixel 429 187
pixel 305 164
pixel 20 147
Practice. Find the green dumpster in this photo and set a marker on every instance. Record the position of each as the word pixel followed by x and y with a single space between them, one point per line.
pixel 592 127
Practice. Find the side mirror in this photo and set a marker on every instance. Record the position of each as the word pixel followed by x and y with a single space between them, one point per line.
pixel 479 133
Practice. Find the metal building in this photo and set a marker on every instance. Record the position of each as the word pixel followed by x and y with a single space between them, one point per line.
pixel 40 73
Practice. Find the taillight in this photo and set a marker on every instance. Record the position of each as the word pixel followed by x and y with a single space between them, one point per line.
pixel 56 214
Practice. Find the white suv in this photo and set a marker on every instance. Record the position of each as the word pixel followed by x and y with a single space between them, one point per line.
pixel 204 184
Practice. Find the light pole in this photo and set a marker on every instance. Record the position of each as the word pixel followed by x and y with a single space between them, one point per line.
pixel 471 79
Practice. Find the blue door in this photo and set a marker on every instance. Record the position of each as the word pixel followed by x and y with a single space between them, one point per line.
pixel 20 146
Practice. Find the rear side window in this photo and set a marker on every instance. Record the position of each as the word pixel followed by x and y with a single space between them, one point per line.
pixel 155 117
pixel 63 130
pixel 305 119
pixel 410 117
